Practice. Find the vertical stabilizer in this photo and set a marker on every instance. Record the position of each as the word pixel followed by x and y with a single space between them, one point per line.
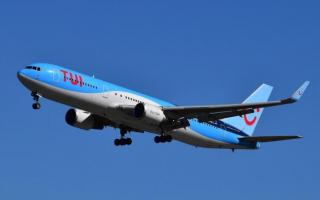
pixel 247 123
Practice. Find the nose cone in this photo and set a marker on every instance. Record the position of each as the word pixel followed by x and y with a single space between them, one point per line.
pixel 21 75
pixel 29 77
pixel 24 76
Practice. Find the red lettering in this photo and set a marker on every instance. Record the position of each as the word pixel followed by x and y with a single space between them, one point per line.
pixel 64 75
pixel 74 81
pixel 81 81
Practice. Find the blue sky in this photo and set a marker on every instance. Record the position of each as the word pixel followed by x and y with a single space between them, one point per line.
pixel 186 52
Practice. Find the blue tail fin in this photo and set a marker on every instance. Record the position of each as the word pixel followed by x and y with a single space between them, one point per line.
pixel 247 123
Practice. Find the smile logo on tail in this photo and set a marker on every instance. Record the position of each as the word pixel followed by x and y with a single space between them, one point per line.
pixel 250 122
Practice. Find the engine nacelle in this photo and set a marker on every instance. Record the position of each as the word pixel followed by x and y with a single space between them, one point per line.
pixel 151 114
pixel 83 120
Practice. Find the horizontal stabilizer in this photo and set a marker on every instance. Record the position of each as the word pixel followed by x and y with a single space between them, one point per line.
pixel 269 138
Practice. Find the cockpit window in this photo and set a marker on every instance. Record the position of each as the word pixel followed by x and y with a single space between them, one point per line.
pixel 33 68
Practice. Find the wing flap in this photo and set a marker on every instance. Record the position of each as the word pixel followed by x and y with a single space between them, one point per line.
pixel 222 115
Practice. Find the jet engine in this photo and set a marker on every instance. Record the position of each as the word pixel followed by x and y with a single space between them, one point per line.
pixel 151 114
pixel 82 119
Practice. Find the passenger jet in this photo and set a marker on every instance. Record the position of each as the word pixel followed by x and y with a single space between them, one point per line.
pixel 97 104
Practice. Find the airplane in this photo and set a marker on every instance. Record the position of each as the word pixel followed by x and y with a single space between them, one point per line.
pixel 97 104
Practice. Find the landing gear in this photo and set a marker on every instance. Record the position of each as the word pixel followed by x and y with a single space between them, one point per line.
pixel 123 141
pixel 36 97
pixel 36 106
pixel 163 139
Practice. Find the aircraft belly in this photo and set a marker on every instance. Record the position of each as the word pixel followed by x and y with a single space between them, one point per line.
pixel 193 138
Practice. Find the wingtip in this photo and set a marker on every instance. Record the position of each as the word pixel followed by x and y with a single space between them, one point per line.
pixel 298 94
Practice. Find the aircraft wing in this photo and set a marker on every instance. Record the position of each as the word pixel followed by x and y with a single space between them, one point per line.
pixel 216 112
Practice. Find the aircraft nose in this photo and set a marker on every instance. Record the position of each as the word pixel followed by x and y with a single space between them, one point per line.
pixel 21 74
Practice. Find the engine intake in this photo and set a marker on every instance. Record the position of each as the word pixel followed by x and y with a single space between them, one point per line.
pixel 139 110
pixel 83 120
pixel 149 113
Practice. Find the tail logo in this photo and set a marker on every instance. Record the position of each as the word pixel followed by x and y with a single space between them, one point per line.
pixel 250 122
